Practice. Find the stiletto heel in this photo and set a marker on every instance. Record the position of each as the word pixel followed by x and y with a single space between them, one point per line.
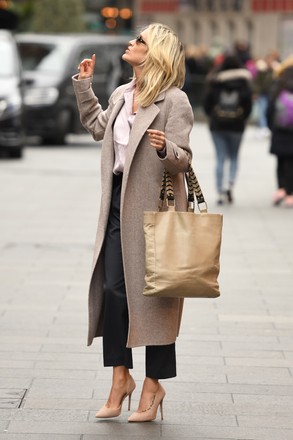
pixel 150 413
pixel 161 409
pixel 106 413
pixel 129 401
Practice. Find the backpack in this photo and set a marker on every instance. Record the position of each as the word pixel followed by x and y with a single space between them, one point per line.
pixel 228 107
pixel 283 117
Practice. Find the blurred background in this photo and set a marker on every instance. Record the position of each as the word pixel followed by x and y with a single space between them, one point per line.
pixel 52 36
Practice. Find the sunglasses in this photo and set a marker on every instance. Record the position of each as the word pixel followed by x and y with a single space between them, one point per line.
pixel 140 40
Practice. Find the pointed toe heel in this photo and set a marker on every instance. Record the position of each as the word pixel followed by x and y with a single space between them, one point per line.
pixel 150 414
pixel 107 412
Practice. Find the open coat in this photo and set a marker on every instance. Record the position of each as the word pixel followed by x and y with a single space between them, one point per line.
pixel 152 321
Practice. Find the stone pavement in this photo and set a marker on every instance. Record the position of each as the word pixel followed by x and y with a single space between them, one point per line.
pixel 235 353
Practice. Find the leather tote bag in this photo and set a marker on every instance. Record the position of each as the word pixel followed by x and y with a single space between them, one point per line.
pixel 182 257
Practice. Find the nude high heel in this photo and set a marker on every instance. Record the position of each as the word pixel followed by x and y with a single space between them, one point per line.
pixel 106 413
pixel 150 413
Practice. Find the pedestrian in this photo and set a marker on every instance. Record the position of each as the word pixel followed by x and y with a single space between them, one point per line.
pixel 227 103
pixel 280 121
pixel 145 129
pixel 262 83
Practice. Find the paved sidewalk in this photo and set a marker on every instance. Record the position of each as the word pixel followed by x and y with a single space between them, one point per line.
pixel 235 354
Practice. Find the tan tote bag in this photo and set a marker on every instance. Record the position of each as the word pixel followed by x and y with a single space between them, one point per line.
pixel 182 248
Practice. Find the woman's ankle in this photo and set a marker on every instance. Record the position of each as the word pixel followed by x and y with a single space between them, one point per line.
pixel 120 376
pixel 150 385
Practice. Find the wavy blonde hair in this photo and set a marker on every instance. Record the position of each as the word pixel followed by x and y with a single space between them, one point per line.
pixel 164 65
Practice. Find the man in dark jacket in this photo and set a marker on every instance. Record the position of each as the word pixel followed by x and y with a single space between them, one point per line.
pixel 228 103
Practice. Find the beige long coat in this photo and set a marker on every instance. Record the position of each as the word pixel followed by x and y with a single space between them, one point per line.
pixel 152 321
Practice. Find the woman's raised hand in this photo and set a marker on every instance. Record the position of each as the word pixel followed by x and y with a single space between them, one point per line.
pixel 86 67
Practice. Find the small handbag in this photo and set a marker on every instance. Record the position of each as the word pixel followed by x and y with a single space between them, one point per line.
pixel 182 257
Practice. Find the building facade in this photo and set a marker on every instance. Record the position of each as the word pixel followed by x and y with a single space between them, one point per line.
pixel 265 24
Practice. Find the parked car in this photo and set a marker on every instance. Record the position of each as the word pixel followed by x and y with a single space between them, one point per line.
pixel 12 136
pixel 49 61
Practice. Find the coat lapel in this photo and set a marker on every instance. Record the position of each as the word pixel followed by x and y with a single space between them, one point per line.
pixel 108 151
pixel 143 120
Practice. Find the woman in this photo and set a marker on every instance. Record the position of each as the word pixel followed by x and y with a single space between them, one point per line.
pixel 227 103
pixel 145 129
pixel 280 121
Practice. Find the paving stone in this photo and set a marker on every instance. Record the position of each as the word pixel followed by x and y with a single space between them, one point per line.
pixel 69 348
pixel 11 398
pixel 19 348
pixel 252 389
pixel 47 374
pixel 28 414
pixel 255 362
pixel 288 354
pixel 259 375
pixel 265 354
pixel 74 358
pixel 281 401
pixel 272 421
pixel 6 414
pixel 67 365
pixel 9 403
pixel 78 388
pixel 227 433
pixel 15 382
pixel 109 428
pixel 90 437
pixel 3 425
pixel 63 404
pixel 39 437
pixel 16 364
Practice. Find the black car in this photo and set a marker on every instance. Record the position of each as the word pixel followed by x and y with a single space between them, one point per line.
pixel 12 136
pixel 49 61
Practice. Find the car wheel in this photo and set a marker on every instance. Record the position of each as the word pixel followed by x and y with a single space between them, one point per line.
pixel 62 129
pixel 15 153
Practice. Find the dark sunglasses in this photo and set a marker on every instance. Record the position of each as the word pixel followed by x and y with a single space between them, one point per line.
pixel 140 40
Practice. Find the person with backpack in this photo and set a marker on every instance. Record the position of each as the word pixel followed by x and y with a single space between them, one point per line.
pixel 280 122
pixel 227 103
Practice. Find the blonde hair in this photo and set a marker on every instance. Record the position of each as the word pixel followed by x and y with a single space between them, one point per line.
pixel 280 69
pixel 164 65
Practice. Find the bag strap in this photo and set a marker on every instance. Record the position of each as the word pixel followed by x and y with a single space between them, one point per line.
pixel 193 187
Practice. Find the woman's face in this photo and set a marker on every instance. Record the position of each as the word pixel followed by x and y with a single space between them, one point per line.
pixel 136 51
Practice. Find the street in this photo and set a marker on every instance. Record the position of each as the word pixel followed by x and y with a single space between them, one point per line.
pixel 234 354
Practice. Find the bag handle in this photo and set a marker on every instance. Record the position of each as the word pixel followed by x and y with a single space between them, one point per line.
pixel 193 187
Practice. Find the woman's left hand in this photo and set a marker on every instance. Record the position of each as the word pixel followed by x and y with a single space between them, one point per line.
pixel 157 139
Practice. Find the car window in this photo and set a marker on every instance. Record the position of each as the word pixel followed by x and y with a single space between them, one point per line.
pixel 7 57
pixel 43 57
pixel 107 55
pixel 103 62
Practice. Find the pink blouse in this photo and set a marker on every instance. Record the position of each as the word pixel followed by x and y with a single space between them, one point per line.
pixel 122 128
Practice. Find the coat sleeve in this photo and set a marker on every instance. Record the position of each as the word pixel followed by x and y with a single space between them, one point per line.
pixel 179 123
pixel 92 116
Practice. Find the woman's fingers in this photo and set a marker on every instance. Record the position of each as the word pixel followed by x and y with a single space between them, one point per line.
pixel 93 60
pixel 86 67
pixel 157 139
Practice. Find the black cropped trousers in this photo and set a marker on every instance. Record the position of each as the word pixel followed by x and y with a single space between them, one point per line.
pixel 285 173
pixel 160 359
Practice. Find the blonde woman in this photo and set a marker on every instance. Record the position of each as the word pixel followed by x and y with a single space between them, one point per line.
pixel 145 129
